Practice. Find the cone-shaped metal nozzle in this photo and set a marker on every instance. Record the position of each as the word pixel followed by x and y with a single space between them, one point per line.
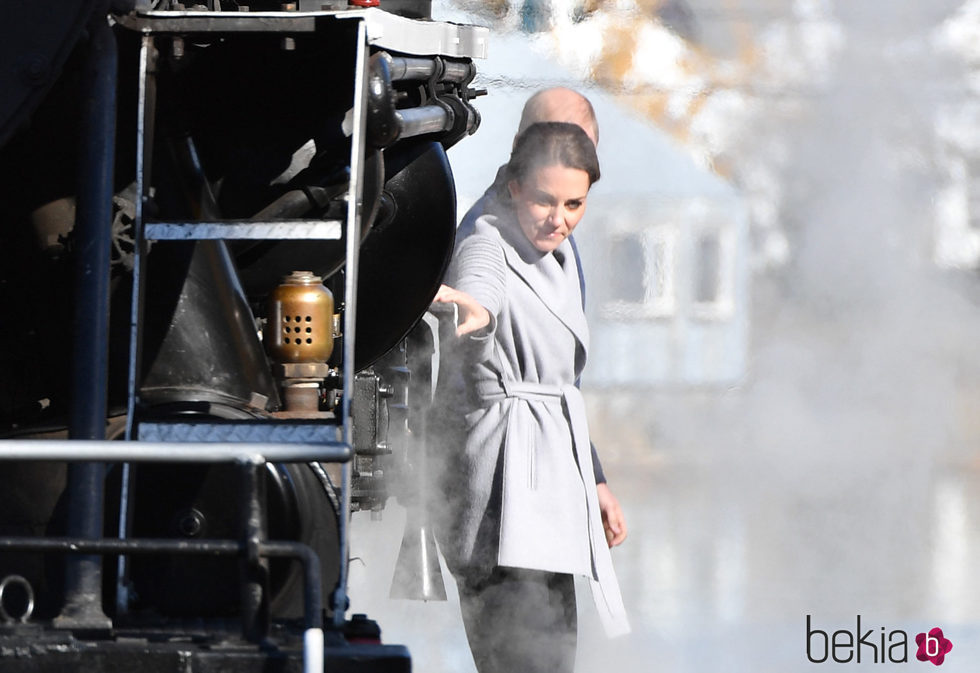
pixel 417 573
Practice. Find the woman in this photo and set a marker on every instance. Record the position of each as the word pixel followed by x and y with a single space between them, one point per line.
pixel 525 514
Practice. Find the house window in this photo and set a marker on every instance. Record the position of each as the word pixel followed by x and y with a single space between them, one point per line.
pixel 627 255
pixel 713 273
pixel 641 284
pixel 974 194
pixel 707 269
pixel 957 225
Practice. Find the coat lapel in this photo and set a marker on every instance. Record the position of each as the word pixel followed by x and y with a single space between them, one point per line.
pixel 556 284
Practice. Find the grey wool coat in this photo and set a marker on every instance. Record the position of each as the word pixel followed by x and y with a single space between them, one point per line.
pixel 524 492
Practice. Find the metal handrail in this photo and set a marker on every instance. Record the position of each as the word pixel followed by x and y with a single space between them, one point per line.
pixel 79 450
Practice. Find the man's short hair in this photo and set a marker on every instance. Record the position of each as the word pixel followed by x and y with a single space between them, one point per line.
pixel 560 104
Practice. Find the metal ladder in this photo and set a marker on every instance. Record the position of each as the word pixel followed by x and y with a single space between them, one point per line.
pixel 249 444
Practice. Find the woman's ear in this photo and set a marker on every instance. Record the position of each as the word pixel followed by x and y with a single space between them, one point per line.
pixel 514 187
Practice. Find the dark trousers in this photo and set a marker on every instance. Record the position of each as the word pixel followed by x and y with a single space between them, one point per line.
pixel 520 621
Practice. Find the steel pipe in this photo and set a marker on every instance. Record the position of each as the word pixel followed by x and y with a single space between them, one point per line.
pixel 90 345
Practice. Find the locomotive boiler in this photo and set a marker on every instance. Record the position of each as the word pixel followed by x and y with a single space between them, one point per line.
pixel 220 228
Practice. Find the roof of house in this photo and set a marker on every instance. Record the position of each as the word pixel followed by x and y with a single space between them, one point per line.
pixel 636 157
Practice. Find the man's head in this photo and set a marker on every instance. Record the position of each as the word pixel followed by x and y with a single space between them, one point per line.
pixel 559 104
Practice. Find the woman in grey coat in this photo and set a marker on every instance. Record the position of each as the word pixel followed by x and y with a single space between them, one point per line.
pixel 525 515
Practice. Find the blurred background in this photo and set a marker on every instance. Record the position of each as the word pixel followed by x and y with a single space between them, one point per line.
pixel 782 259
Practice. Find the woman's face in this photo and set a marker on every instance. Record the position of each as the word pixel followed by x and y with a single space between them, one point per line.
pixel 549 203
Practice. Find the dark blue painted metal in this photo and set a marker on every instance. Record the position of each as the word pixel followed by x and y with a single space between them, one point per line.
pixel 92 239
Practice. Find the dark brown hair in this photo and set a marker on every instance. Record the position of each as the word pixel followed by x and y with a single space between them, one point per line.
pixel 551 144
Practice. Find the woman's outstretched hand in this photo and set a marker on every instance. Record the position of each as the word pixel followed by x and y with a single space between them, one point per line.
pixel 472 316
pixel 613 520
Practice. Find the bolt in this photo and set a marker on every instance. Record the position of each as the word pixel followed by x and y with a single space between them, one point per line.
pixel 35 70
pixel 190 523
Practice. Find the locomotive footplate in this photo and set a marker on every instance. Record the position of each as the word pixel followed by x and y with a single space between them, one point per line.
pixel 27 648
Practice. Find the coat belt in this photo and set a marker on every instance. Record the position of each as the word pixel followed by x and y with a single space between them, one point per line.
pixel 605 587
pixel 495 391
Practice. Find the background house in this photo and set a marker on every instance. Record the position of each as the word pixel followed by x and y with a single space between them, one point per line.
pixel 664 242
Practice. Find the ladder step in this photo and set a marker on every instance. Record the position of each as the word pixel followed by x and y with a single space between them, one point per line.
pixel 244 229
pixel 258 431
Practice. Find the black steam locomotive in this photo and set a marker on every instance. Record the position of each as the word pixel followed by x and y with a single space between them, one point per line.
pixel 220 228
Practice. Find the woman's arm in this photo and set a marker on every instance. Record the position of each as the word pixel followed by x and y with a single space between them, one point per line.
pixel 473 317
pixel 476 283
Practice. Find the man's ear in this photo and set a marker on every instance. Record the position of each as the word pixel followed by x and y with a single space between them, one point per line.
pixel 514 187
